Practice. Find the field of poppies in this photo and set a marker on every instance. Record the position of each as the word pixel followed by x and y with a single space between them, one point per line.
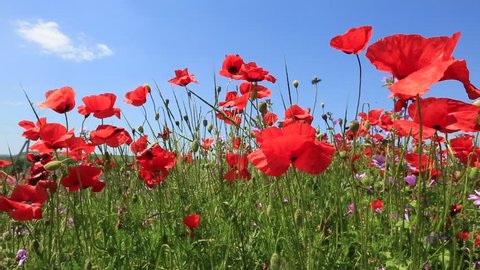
pixel 228 181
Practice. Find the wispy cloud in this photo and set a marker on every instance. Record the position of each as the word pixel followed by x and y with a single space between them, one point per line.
pixel 54 41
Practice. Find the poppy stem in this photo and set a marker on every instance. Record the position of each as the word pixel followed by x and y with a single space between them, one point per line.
pixel 359 85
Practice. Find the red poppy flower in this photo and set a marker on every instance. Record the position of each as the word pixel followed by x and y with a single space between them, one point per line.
pixel 155 163
pixel 377 205
pixel 52 136
pixel 231 66
pixel 419 62
pixel 78 149
pixel 254 90
pixel 252 73
pixel 100 105
pixel 465 151
pixel 293 144
pixel 5 163
pixel 442 114
pixel 297 114
pixel 83 176
pixel 353 41
pixel 269 119
pixel 60 100
pixel 111 135
pixel 192 221
pixel 32 130
pixel 24 203
pixel 462 235
pixel 238 167
pixel 232 100
pixel 138 97
pixel 140 144
pixel 228 115
pixel 182 78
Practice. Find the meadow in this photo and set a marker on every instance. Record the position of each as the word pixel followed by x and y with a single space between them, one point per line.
pixel 236 182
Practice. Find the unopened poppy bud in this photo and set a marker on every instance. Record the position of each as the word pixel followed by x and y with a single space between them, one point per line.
pixel 219 89
pixel 473 174
pixel 177 123
pixel 269 210
pixel 167 101
pixel 367 125
pixel 299 217
pixel 295 84
pixel 322 105
pixel 140 129
pixel 343 154
pixel 157 116
pixel 263 107
pixel 210 127
pixel 477 103
pixel 205 122
pixel 354 126
pixel 324 117
pixel 275 261
pixel 457 175
pixel 53 165
pixel 195 145
pixel 185 118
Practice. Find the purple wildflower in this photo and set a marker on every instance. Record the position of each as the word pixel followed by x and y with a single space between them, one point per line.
pixel 351 207
pixel 475 198
pixel 411 180
pixel 21 256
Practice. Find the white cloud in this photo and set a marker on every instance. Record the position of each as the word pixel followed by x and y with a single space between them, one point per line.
pixel 52 40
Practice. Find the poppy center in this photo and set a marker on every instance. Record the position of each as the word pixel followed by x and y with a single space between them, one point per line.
pixel 233 69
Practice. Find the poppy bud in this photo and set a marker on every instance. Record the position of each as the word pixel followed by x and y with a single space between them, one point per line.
pixel 367 125
pixel 298 215
pixel 195 145
pixel 473 174
pixel 324 117
pixel 185 118
pixel 295 84
pixel 275 261
pixel 52 165
pixel 219 89
pixel 343 154
pixel 205 122
pixel 322 105
pixel 263 107
pixel 167 101
pixel 177 123
pixel 457 175
pixel 354 126
pixel 157 116
pixel 269 210
pixel 210 127
pixel 140 129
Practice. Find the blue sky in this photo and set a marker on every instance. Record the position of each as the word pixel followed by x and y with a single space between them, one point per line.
pixel 114 46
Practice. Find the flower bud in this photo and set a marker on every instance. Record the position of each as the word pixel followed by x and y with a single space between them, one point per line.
pixel 295 84
pixel 354 126
pixel 263 107
pixel 157 116
pixel 205 122
pixel 194 146
pixel 140 129
pixel 167 101
pixel 210 127
pixel 53 165
pixel 473 174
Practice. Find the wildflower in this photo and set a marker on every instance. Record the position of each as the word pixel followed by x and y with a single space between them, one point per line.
pixel 192 222
pixel 83 176
pixel 475 198
pixel 293 144
pixel 231 66
pixel 353 41
pixel 455 209
pixel 462 235
pixel 155 163
pixel 295 113
pixel 418 62
pixel 182 78
pixel 24 203
pixel 138 97
pixel 60 100
pixel 140 144
pixel 351 208
pixel 238 167
pixel 100 105
pixel 21 256
pixel 411 180
pixel 110 135
pixel 377 205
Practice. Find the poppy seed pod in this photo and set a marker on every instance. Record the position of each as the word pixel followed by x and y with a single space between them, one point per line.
pixel 205 122
pixel 210 127
pixel 167 101
pixel 140 129
pixel 219 89
pixel 157 116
